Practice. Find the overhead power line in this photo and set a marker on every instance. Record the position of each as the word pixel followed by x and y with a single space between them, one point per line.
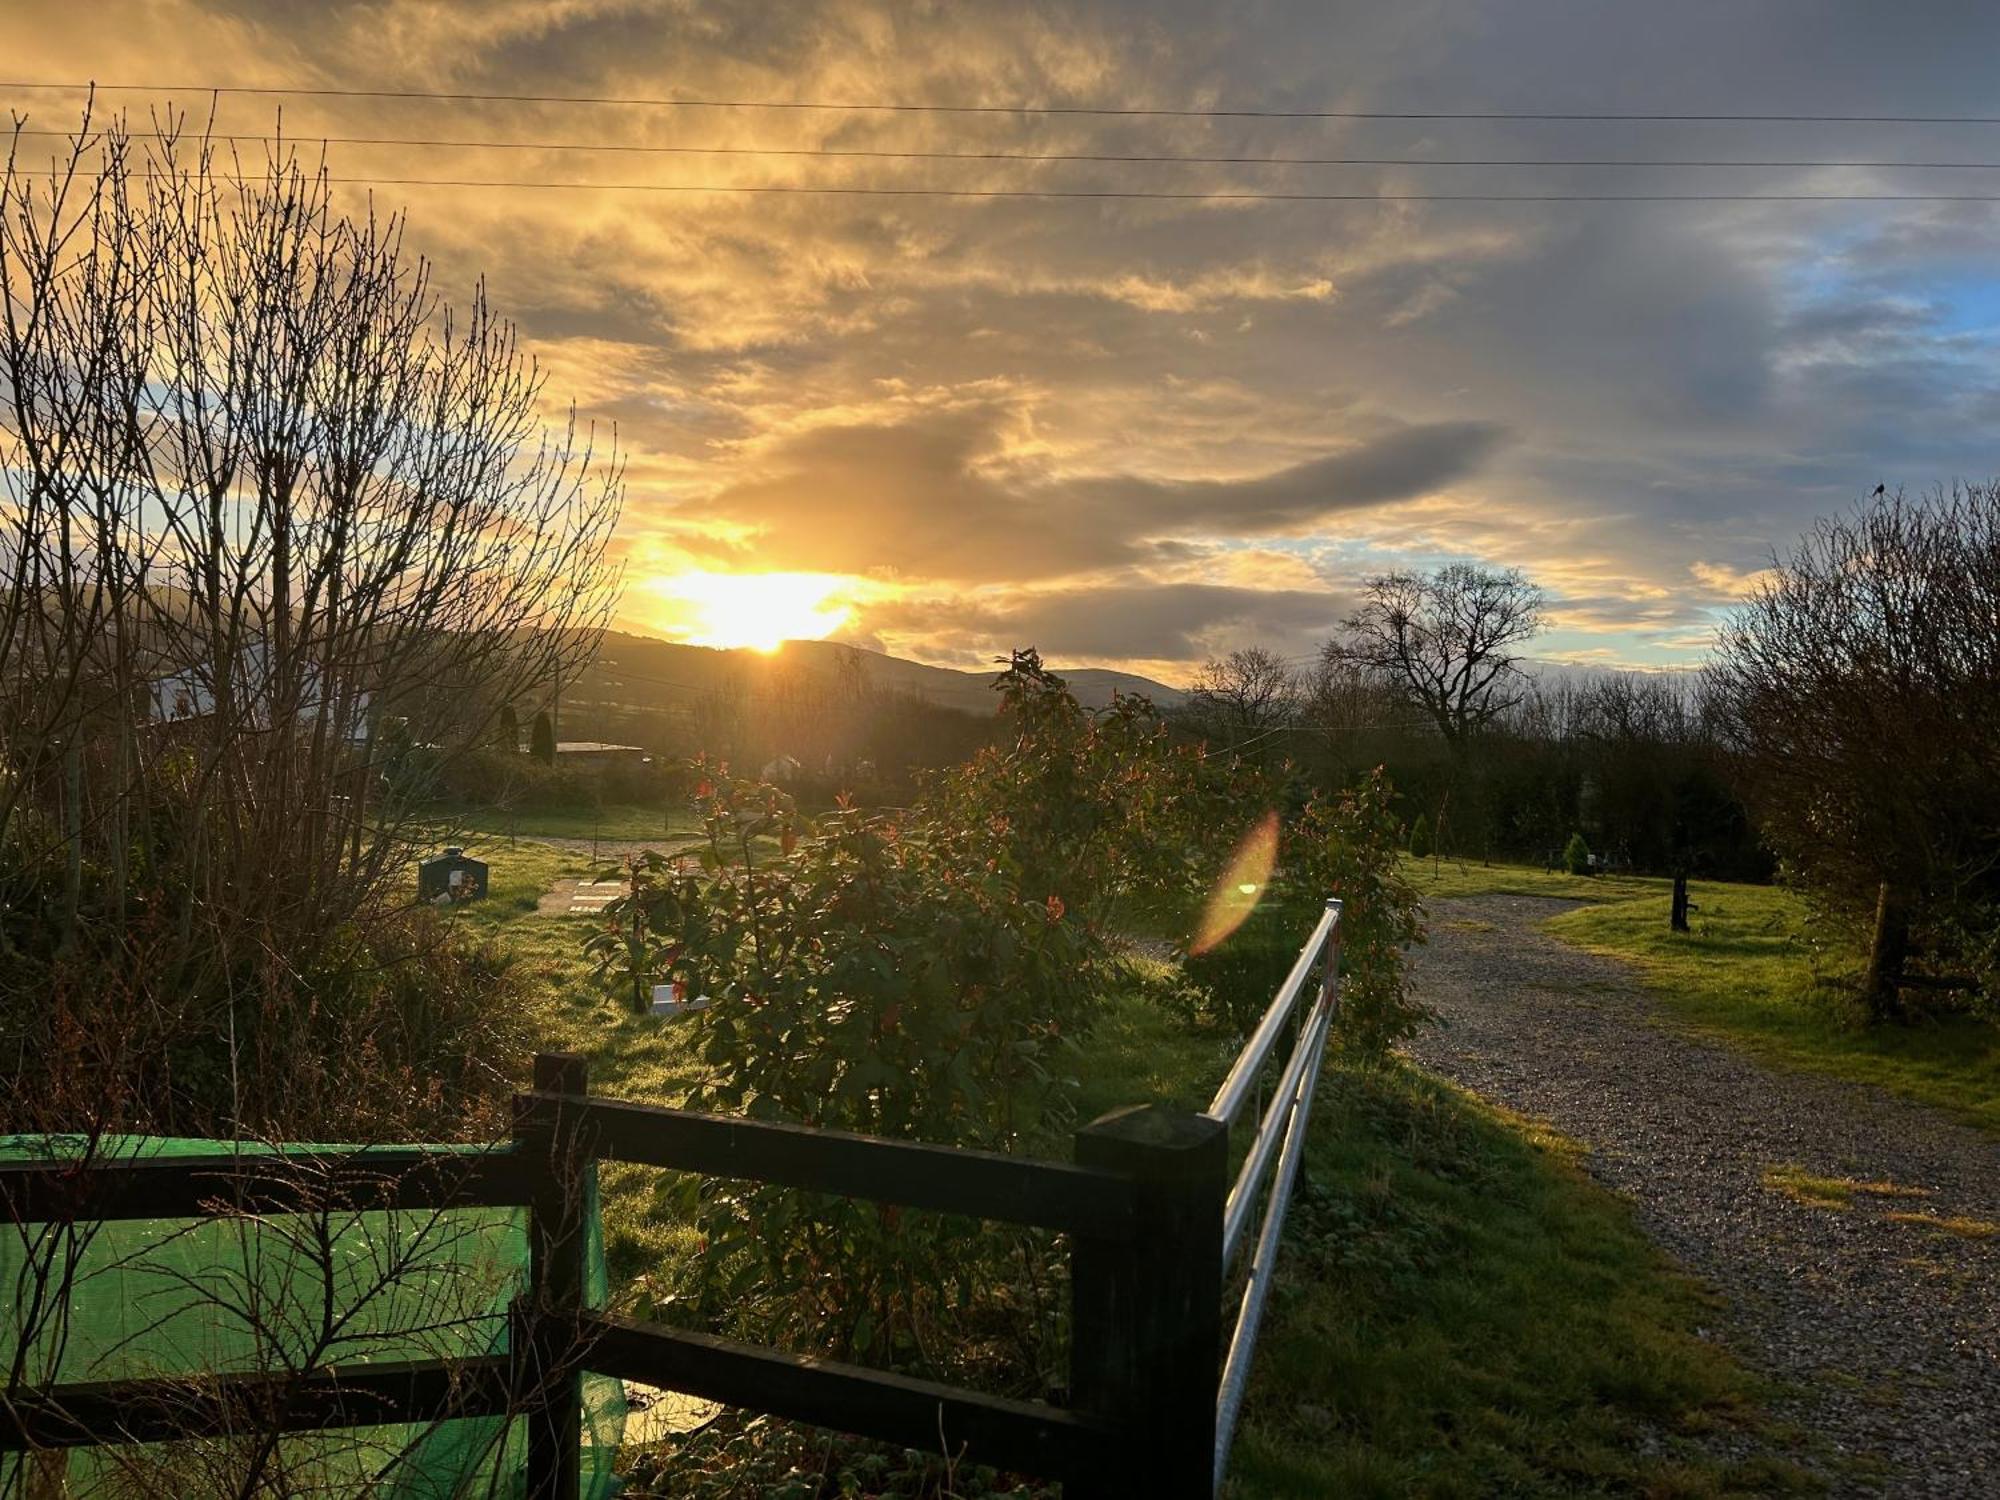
pixel 1102 157
pixel 1098 110
pixel 545 184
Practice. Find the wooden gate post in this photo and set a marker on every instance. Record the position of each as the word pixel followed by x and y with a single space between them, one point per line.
pixel 545 1329
pixel 1146 1339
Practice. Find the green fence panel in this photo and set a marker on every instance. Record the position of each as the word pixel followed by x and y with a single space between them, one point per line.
pixel 178 1298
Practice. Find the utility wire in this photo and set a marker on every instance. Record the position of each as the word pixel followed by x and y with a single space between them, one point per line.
pixel 1105 111
pixel 545 184
pixel 645 149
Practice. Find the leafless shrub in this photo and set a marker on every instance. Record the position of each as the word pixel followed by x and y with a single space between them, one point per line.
pixel 281 533
pixel 1860 686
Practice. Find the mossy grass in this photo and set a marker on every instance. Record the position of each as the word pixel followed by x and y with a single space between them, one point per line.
pixel 622 821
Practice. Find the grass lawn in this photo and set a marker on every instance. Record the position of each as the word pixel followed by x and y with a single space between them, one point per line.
pixel 631 1057
pixel 1462 1312
pixel 615 821
pixel 1754 972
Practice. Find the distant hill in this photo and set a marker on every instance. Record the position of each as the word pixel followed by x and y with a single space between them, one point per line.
pixel 634 668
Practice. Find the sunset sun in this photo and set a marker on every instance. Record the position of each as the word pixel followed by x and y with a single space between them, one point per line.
pixel 760 611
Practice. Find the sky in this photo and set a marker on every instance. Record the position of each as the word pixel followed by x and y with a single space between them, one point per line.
pixel 1144 432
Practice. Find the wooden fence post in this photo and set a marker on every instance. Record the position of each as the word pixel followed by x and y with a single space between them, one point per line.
pixel 1146 1340
pixel 558 1226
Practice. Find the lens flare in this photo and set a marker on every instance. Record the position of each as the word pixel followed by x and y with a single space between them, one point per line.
pixel 1241 887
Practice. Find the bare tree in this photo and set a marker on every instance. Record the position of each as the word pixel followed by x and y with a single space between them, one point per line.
pixel 1860 685
pixel 1447 642
pixel 1244 694
pixel 280 534
pixel 1342 698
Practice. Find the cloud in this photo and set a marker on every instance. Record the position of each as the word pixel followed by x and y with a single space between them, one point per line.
pixel 1074 417
pixel 1123 622
pixel 936 496
pixel 1724 584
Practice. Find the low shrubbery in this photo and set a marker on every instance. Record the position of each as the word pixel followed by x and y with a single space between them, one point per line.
pixel 1345 847
pixel 495 779
pixel 136 995
pixel 397 1030
pixel 925 974
pixel 1233 983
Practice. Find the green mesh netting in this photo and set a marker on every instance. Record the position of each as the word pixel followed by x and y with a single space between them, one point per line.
pixel 175 1298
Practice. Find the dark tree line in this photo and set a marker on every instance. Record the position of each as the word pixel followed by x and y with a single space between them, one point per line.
pixel 1846 730
pixel 1498 759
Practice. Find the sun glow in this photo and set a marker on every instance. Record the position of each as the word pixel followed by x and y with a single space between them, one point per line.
pixel 758 610
pixel 1242 885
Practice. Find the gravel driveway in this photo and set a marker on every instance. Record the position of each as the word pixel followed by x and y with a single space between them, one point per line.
pixel 1883 1333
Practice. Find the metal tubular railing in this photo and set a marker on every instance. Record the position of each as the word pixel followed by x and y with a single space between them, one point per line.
pixel 1270 1133
pixel 1236 1088
pixel 1285 1121
pixel 1236 1366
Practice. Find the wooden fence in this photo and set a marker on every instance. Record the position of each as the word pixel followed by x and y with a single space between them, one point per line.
pixel 1147 1205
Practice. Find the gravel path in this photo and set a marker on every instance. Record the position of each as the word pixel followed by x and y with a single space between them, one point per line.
pixel 1884 1333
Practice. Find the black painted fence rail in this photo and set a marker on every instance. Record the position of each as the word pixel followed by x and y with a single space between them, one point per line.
pixel 1142 1205
pixel 1154 1226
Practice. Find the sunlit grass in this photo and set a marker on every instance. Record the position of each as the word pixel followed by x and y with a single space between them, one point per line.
pixel 630 1056
pixel 1843 1194
pixel 1457 877
pixel 1959 1226
pixel 1816 1191
pixel 621 821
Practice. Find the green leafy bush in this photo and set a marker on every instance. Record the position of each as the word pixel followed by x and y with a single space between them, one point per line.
pixel 1101 807
pixel 1420 837
pixel 1346 846
pixel 1576 855
pixel 872 974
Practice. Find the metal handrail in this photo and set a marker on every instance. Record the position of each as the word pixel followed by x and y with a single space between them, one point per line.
pixel 1236 1366
pixel 1235 1091
pixel 1291 1109
pixel 1270 1132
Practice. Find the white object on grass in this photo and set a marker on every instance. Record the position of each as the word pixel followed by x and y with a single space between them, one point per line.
pixel 671 1000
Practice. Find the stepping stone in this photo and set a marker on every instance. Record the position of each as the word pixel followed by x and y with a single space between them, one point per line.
pixel 581 898
pixel 592 896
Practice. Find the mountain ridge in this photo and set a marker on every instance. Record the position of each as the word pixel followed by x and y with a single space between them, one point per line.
pixel 633 657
